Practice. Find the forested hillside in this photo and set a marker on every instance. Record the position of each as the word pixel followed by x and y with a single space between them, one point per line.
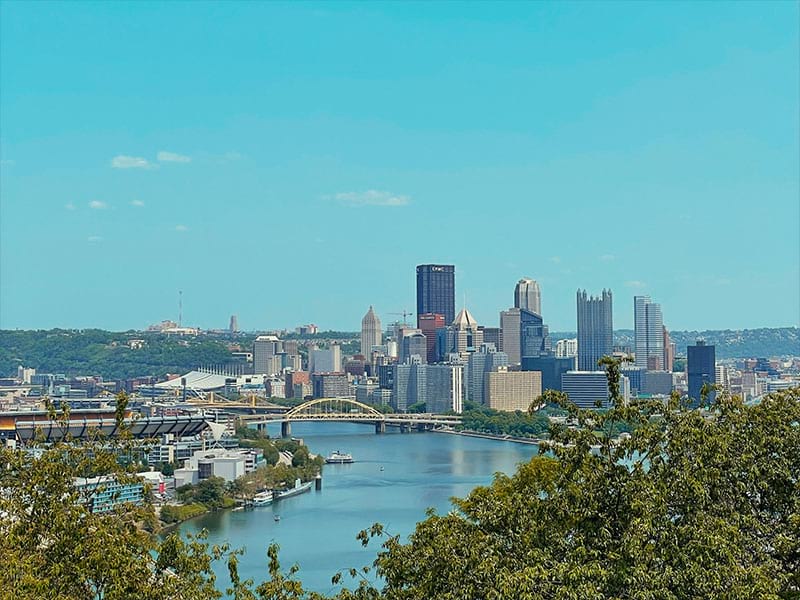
pixel 105 353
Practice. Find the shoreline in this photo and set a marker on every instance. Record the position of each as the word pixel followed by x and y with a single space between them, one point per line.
pixel 491 436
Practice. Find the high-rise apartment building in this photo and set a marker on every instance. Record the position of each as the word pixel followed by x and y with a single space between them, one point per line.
pixel 371 334
pixel 510 327
pixel 700 369
pixel 436 289
pixel 528 296
pixel 669 351
pixel 440 387
pixel 479 364
pixel 595 329
pixel 328 360
pixel 265 349
pixel 649 333
pixel 512 390
pixel 567 348
pixel 429 323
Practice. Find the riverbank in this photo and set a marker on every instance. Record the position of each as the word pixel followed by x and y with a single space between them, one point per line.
pixel 491 436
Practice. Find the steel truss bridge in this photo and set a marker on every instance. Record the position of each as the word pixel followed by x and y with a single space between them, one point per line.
pixel 350 411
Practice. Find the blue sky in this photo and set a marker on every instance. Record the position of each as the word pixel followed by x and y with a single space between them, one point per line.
pixel 292 163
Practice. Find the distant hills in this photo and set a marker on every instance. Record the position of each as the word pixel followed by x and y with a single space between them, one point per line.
pixel 730 343
pixel 113 356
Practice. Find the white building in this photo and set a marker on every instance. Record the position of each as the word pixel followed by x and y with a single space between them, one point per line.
pixel 567 348
pixel 371 334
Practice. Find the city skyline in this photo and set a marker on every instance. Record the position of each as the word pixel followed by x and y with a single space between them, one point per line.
pixel 124 183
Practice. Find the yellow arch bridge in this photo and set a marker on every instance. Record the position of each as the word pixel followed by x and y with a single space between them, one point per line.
pixel 351 411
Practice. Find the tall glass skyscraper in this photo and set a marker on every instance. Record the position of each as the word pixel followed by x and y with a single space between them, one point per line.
pixel 700 369
pixel 649 333
pixel 436 291
pixel 595 329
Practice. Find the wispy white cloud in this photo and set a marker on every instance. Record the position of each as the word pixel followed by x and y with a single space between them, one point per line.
pixel 635 284
pixel 131 162
pixel 137 203
pixel 93 239
pixel 69 206
pixel 165 156
pixel 607 257
pixel 370 198
pixel 98 205
pixel 181 228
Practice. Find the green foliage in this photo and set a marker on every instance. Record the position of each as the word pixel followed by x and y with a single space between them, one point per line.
pixel 419 407
pixel 517 424
pixel 209 492
pixel 105 353
pixel 300 458
pixel 172 513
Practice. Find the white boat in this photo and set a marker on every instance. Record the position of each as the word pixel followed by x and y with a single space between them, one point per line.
pixel 339 458
pixel 299 488
pixel 263 498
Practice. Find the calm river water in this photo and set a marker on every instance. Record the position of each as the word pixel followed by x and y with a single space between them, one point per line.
pixel 317 530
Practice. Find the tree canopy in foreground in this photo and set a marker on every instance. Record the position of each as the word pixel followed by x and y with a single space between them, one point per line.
pixel 694 504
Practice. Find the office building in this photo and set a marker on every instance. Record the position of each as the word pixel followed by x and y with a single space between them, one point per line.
pixel 722 377
pixel 105 493
pixel 648 333
pixel 440 387
pixel 328 360
pixel 371 334
pixel 330 385
pixel 512 390
pixel 494 336
pixel 527 296
pixel 669 351
pixel 429 323
pixel 293 380
pixel 595 329
pixel 551 367
pixel 479 364
pixel 265 349
pixel 589 389
pixel 436 289
pixel 700 369
pixel 532 334
pixel 510 327
pixel 414 345
pixel 461 337
pixel 655 383
pixel 567 348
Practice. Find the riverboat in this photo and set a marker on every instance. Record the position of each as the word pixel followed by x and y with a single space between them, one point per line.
pixel 263 498
pixel 339 458
pixel 299 488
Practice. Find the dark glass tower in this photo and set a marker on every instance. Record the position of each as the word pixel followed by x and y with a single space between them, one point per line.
pixel 436 291
pixel 595 329
pixel 700 368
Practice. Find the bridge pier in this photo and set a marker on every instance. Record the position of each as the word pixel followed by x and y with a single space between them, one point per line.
pixel 380 427
pixel 421 427
pixel 261 426
pixel 405 427
pixel 286 429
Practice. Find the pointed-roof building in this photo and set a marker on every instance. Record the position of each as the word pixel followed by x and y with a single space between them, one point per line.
pixel 371 334
pixel 463 336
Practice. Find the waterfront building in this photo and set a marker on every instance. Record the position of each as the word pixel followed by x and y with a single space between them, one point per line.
pixel 265 349
pixel 551 367
pixel 527 295
pixel 330 385
pixel 371 334
pixel 512 390
pixel 589 389
pixel 700 369
pixel 440 387
pixel 479 364
pixel 648 333
pixel 436 290
pixel 510 327
pixel 217 462
pixel 429 324
pixel 567 348
pixel 104 493
pixel 365 388
pixel 595 329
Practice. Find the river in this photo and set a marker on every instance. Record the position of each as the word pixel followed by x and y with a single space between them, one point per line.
pixel 395 478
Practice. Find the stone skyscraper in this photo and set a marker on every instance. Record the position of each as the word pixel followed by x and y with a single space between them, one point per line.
pixel 595 329
pixel 527 296
pixel 371 334
pixel 436 291
pixel 649 333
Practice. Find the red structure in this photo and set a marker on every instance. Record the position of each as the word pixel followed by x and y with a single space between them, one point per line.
pixel 429 323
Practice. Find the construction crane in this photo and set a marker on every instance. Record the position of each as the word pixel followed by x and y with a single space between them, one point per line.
pixel 405 314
